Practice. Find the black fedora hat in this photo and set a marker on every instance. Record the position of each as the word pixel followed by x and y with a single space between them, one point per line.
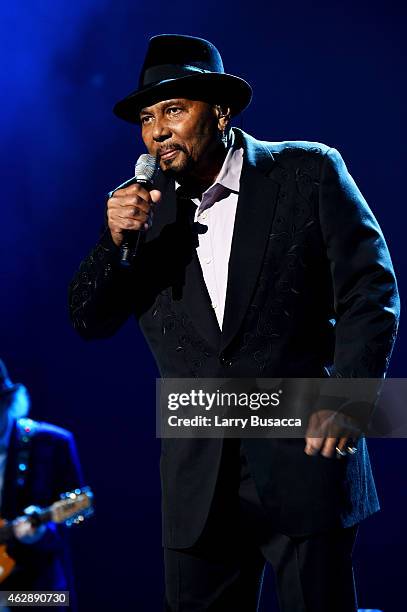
pixel 183 67
pixel 6 386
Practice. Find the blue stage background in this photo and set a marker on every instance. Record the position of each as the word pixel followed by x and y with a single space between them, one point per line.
pixel 324 71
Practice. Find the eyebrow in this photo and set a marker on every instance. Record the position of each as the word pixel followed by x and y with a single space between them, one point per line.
pixel 166 104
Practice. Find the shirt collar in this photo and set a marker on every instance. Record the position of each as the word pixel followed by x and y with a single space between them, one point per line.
pixel 229 175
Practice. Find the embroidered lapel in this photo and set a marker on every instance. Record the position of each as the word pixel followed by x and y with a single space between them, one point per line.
pixel 254 215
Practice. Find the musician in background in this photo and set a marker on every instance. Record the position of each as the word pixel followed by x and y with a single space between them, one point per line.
pixel 38 462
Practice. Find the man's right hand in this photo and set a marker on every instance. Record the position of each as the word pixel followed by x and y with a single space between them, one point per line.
pixel 131 209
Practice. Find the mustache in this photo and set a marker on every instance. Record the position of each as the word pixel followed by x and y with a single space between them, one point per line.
pixel 169 147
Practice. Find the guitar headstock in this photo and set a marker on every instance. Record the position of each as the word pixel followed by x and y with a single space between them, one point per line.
pixel 73 507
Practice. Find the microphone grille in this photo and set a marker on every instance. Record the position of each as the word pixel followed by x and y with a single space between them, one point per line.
pixel 146 167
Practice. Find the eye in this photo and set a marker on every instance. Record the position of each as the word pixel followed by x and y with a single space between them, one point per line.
pixel 145 119
pixel 174 110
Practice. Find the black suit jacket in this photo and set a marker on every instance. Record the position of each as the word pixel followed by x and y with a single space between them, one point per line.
pixel 311 289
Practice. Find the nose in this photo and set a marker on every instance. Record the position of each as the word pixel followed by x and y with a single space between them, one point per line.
pixel 161 131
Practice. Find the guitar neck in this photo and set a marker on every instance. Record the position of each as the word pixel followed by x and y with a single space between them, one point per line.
pixel 42 516
pixel 72 509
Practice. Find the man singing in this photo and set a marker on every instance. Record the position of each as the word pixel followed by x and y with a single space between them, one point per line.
pixel 257 259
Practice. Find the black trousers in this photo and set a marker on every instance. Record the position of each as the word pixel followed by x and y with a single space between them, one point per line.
pixel 223 571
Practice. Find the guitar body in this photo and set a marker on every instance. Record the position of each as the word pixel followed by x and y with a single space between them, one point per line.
pixel 6 562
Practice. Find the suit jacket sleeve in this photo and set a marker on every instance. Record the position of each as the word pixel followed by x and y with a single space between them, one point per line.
pixel 102 294
pixel 365 288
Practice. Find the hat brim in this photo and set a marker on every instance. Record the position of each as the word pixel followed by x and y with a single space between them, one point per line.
pixel 212 87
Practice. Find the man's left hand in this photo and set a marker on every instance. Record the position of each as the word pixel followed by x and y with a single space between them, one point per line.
pixel 330 434
pixel 25 531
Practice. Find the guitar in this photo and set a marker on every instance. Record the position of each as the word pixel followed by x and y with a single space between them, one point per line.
pixel 71 509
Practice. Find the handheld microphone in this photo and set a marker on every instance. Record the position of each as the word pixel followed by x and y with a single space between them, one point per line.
pixel 144 174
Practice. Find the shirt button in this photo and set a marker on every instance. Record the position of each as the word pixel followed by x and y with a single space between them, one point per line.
pixel 208 260
pixel 203 215
pixel 214 306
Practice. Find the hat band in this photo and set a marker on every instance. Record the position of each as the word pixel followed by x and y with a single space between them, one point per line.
pixel 169 71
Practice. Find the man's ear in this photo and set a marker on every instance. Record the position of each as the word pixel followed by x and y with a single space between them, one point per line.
pixel 223 113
